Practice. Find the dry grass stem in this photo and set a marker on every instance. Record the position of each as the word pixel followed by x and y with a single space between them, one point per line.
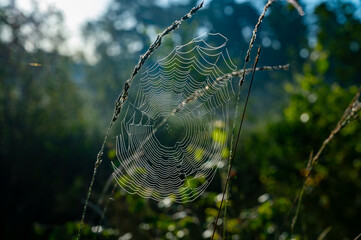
pixel 350 114
pixel 358 237
pixel 254 34
pixel 242 75
pixel 297 6
pixel 124 94
pixel 123 97
pixel 253 39
pixel 249 70
pixel 193 96
pixel 157 42
pixel 199 92
pixel 236 143
pixel 324 233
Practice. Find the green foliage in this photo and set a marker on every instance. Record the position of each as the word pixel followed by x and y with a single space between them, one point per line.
pixel 50 115
pixel 282 148
pixel 42 127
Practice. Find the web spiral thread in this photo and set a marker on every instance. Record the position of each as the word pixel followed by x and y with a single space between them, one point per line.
pixel 173 134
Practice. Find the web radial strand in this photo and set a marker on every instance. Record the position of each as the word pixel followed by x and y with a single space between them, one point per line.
pixel 174 132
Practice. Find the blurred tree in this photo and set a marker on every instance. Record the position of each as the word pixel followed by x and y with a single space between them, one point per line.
pixel 339 38
pixel 278 154
pixel 43 134
pixel 123 33
pixel 126 31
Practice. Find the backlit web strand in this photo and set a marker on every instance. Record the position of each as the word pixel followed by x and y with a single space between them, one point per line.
pixel 174 132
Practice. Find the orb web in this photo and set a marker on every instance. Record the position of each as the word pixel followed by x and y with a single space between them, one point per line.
pixel 173 133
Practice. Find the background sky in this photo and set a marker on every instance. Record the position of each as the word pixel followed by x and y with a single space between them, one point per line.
pixel 78 12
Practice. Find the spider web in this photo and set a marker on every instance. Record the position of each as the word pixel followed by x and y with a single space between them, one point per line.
pixel 173 134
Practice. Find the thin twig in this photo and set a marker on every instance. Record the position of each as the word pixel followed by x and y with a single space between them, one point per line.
pixel 350 114
pixel 242 75
pixel 358 236
pixel 253 39
pixel 243 72
pixel 102 217
pixel 297 6
pixel 96 166
pixel 254 34
pixel 123 97
pixel 236 143
pixel 101 201
pixel 324 233
pixel 199 92
pixel 249 70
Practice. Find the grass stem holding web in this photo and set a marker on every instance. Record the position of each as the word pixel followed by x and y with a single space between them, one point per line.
pixel 124 94
pixel 253 39
pixel 236 144
pixel 123 97
pixel 241 74
pixel 193 96
pixel 154 46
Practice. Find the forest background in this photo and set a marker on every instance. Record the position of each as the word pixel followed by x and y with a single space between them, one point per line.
pixel 54 110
